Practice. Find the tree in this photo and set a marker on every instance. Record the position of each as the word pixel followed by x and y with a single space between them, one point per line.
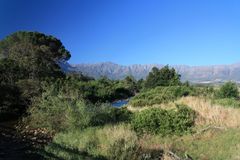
pixel 131 84
pixel 140 84
pixel 26 60
pixel 228 90
pixel 162 77
pixel 36 53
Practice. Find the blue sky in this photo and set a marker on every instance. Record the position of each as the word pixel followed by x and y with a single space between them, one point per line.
pixel 192 32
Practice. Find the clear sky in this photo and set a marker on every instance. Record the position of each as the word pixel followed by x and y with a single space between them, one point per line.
pixel 192 32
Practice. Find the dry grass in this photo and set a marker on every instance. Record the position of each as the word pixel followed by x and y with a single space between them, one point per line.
pixel 110 134
pixel 209 113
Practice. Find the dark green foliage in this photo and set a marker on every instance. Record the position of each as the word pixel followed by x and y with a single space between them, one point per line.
pixel 164 122
pixel 57 50
pixel 160 95
pixel 10 72
pixel 140 84
pixel 36 53
pixel 228 90
pixel 162 77
pixel 27 59
pixel 104 90
pixel 131 84
pixel 11 102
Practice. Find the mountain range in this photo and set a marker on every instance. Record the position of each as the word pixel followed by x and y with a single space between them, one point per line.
pixel 194 74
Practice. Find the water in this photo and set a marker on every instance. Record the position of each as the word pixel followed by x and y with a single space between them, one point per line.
pixel 120 103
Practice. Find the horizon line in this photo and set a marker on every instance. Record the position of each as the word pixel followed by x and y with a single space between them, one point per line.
pixel 95 63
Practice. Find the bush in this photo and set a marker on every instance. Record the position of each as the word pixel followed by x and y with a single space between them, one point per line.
pixel 160 95
pixel 58 111
pixel 228 90
pixel 164 122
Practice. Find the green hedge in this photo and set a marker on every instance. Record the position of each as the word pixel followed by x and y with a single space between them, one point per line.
pixel 164 122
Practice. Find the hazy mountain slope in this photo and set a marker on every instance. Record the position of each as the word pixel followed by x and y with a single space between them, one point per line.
pixel 204 74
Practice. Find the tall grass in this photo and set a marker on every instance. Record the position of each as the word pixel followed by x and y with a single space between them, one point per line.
pixel 212 145
pixel 108 141
pixel 209 113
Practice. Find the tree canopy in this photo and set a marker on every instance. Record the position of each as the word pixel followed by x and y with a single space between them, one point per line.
pixel 162 77
pixel 36 53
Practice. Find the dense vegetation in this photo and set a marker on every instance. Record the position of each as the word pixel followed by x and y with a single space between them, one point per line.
pixel 29 62
pixel 77 109
pixel 59 109
pixel 164 122
pixel 160 95
pixel 27 58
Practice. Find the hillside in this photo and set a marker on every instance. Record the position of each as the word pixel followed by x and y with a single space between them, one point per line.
pixel 195 74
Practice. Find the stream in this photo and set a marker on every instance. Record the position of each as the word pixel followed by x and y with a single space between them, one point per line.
pixel 120 103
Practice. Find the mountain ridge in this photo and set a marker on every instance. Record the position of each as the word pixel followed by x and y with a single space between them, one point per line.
pixel 194 74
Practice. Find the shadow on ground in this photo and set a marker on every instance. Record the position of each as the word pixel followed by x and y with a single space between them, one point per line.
pixel 13 146
pixel 60 152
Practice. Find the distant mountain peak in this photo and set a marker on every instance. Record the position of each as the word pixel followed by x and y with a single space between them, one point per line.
pixel 195 74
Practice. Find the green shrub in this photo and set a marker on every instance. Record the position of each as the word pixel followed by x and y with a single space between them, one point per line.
pixel 58 111
pixel 160 95
pixel 164 122
pixel 183 119
pixel 228 90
